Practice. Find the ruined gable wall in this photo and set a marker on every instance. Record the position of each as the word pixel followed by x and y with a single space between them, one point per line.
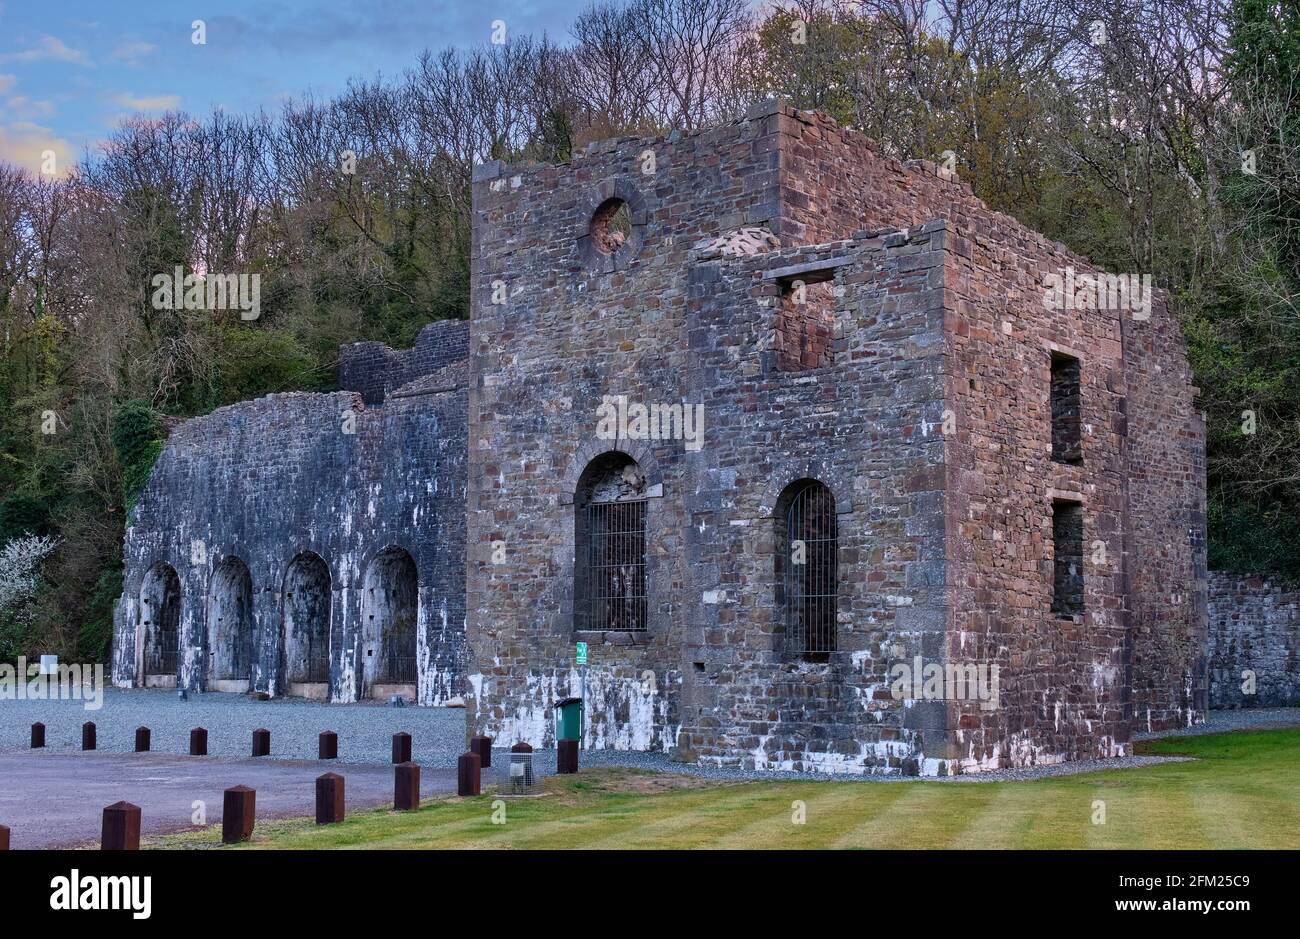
pixel 575 327
pixel 867 427
pixel 834 181
pixel 267 479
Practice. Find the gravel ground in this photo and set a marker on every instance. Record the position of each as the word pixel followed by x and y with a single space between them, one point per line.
pixel 661 763
pixel 1218 722
pixel 365 730
pixel 1239 719
pixel 438 734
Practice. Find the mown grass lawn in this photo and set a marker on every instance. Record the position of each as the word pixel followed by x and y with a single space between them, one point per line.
pixel 1242 791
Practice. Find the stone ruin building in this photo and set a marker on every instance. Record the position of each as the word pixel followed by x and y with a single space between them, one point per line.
pixel 765 418
pixel 310 544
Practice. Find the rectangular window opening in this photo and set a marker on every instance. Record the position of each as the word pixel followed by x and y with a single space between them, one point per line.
pixel 612 595
pixel 1067 442
pixel 805 324
pixel 1067 558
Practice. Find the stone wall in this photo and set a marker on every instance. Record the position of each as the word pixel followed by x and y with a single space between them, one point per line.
pixel 867 426
pixel 557 325
pixel 239 495
pixel 1254 642
pixel 937 319
pixel 375 370
pixel 1151 516
pixel 1062 687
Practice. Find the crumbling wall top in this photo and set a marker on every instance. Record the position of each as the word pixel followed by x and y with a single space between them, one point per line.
pixel 376 371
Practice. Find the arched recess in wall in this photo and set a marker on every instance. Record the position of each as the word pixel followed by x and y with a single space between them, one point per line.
pixel 160 615
pixel 230 626
pixel 389 615
pixel 807 570
pixel 305 628
pixel 610 504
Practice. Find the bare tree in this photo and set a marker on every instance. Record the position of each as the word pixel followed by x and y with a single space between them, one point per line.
pixel 689 46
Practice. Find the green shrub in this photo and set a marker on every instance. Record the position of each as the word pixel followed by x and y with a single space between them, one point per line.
pixel 137 441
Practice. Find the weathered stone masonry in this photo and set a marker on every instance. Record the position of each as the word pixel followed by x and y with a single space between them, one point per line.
pixel 924 409
pixel 981 480
pixel 1254 642
pixel 301 527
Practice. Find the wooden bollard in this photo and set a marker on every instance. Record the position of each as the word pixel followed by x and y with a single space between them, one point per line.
pixel 88 735
pixel 401 748
pixel 522 748
pixel 468 775
pixel 4 838
pixel 238 813
pixel 261 742
pixel 121 831
pixel 483 747
pixel 142 740
pixel 329 745
pixel 198 742
pixel 566 756
pixel 329 799
pixel 38 735
pixel 406 786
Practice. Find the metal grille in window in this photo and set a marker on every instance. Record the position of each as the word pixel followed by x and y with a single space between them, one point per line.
pixel 397 667
pixel 162 657
pixel 810 577
pixel 318 660
pixel 615 587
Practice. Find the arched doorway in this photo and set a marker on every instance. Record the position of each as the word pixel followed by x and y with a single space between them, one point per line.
pixel 389 612
pixel 305 633
pixel 230 627
pixel 160 617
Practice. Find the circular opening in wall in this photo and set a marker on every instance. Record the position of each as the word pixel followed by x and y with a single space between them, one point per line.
pixel 611 226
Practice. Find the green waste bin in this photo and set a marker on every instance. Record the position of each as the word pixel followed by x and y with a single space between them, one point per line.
pixel 570 719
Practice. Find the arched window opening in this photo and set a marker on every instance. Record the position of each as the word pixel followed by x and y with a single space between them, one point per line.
pixel 610 556
pixel 807 576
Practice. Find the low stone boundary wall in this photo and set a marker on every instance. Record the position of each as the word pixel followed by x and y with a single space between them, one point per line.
pixel 1254 636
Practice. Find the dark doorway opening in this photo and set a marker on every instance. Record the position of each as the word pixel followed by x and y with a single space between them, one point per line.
pixel 306 628
pixel 230 627
pixel 160 615
pixel 390 612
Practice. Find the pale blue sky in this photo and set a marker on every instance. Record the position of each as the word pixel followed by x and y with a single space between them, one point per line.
pixel 70 69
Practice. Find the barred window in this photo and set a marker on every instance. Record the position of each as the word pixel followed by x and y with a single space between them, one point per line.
pixel 807 584
pixel 610 547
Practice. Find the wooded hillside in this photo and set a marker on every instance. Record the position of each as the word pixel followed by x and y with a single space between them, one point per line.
pixel 1153 136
